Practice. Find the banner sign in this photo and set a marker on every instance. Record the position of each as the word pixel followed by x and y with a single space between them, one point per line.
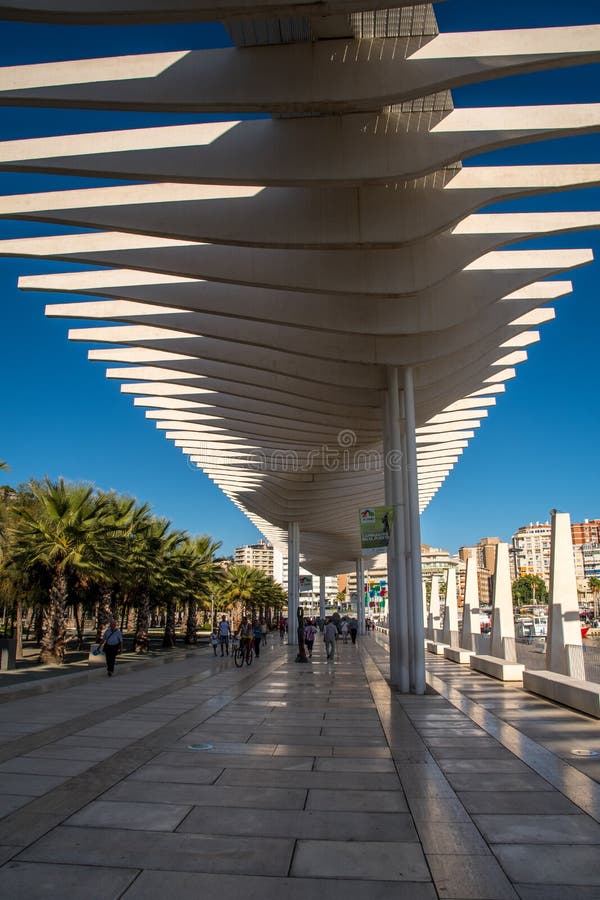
pixel 375 527
pixel 305 583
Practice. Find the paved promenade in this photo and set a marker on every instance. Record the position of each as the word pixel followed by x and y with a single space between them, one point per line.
pixel 289 781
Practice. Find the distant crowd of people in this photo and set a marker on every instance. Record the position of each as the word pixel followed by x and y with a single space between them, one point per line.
pixel 250 633
pixel 253 633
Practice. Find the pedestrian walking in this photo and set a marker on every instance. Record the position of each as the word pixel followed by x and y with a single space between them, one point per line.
pixel 282 628
pixel 330 637
pixel 353 630
pixel 264 629
pixel 214 641
pixel 224 633
pixel 309 638
pixel 111 646
pixel 257 634
pixel 246 637
pixel 345 631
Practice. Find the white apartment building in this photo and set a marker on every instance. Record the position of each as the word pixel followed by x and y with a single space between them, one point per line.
pixel 531 551
pixel 258 556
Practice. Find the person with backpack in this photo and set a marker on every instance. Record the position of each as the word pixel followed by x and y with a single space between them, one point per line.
pixel 111 646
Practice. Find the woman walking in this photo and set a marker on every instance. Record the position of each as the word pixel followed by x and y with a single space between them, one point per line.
pixel 111 646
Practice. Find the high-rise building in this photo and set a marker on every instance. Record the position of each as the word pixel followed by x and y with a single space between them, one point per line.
pixel 591 560
pixel 586 549
pixel 531 550
pixel 586 532
pixel 257 556
pixel 484 552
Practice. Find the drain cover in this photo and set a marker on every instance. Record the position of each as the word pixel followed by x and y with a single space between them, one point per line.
pixel 584 753
pixel 200 746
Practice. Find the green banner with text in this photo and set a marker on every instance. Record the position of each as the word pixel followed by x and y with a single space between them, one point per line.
pixel 375 527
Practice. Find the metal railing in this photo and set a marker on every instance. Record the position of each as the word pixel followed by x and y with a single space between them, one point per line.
pixel 583 662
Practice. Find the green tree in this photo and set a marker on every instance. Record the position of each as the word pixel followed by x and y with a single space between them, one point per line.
pixel 529 589
pixel 594 586
pixel 65 531
pixel 203 577
pixel 240 586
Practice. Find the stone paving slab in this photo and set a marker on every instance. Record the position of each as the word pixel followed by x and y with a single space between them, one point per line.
pixel 322 825
pixel 539 803
pixel 532 829
pixel 152 885
pixel 45 881
pixel 131 815
pixel 556 892
pixel 316 780
pixel 31 765
pixel 376 861
pixel 162 850
pixel 463 877
pixel 357 801
pixel 549 863
pixel 186 774
pixel 209 795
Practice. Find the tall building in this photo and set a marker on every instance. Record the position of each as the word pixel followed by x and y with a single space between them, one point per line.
pixel 257 556
pixel 531 550
pixel 586 532
pixel 485 554
pixel 486 551
pixel 586 549
pixel 434 561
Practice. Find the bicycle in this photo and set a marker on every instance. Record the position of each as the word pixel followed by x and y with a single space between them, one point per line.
pixel 243 654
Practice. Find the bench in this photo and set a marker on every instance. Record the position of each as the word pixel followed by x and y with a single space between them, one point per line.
pixel 458 656
pixel 436 647
pixel 502 669
pixel 582 695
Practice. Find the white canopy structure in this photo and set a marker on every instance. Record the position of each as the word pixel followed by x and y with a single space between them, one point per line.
pixel 310 304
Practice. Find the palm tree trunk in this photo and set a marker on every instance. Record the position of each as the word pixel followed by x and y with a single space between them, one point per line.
pixel 169 636
pixel 142 637
pixel 53 641
pixel 77 608
pixel 104 611
pixel 19 630
pixel 38 625
pixel 191 623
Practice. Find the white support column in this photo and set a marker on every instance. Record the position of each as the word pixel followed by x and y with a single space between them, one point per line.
pixel 415 568
pixel 399 664
pixel 503 623
pixel 451 608
pixel 434 608
pixel 407 548
pixel 391 567
pixel 564 626
pixel 471 625
pixel 293 579
pixel 322 597
pixel 360 594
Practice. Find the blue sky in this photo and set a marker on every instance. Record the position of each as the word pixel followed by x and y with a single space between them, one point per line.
pixel 537 450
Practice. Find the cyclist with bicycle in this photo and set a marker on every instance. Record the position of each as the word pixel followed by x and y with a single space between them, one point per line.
pixel 246 636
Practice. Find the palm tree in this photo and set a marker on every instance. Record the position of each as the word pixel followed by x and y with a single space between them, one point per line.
pixel 594 586
pixel 65 531
pixel 241 585
pixel 4 465
pixel 146 549
pixel 204 577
